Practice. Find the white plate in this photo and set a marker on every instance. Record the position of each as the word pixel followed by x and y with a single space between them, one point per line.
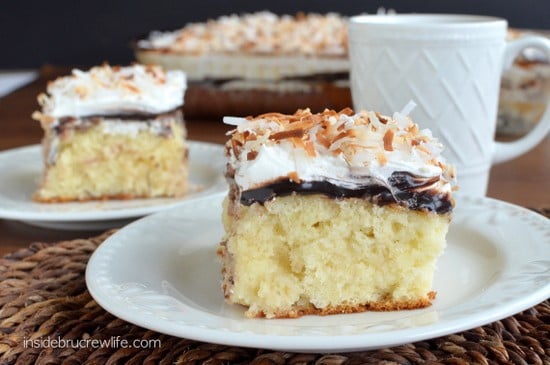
pixel 162 273
pixel 21 168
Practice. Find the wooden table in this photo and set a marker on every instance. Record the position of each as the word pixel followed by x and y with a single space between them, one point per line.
pixel 524 181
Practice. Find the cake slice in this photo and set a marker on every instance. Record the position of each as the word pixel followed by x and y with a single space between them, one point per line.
pixel 113 133
pixel 333 212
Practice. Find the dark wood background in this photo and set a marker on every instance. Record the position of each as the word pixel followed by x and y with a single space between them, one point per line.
pixel 85 33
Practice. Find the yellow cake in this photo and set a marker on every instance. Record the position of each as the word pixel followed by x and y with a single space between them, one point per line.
pixel 113 133
pixel 332 213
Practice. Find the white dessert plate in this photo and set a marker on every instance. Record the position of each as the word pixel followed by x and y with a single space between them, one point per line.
pixel 162 273
pixel 21 169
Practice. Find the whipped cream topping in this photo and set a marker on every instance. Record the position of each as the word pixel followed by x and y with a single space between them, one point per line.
pixel 257 33
pixel 106 90
pixel 346 149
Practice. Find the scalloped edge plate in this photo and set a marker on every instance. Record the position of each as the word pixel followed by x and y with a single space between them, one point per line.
pixel 162 273
pixel 21 169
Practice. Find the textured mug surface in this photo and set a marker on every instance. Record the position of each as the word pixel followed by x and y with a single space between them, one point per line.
pixel 450 66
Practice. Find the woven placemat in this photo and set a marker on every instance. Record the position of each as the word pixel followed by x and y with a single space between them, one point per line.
pixel 43 295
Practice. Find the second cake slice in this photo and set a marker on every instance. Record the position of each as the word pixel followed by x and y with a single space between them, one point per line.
pixel 114 132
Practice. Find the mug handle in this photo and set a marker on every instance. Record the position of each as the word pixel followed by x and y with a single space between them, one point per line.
pixel 505 151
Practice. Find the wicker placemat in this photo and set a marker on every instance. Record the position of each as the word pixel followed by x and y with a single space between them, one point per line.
pixel 43 295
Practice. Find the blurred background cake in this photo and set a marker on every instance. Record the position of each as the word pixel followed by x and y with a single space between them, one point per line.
pixel 281 62
pixel 253 63
pixel 332 213
pixel 113 133
pixel 524 90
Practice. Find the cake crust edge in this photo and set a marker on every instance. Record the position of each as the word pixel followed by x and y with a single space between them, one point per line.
pixel 380 306
pixel 66 199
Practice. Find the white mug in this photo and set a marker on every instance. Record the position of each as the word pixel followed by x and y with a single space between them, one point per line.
pixel 450 66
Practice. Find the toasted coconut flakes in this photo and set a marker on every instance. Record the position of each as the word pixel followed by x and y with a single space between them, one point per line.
pixel 399 140
pixel 297 142
pixel 258 33
pixel 381 118
pixel 330 112
pixel 316 118
pixel 310 148
pixel 412 128
pixel 130 86
pixel 293 133
pixel 235 146
pixel 156 72
pixel 304 124
pixel 326 124
pixel 248 136
pixel 362 146
pixel 251 155
pixel 97 80
pixel 278 117
pixel 350 133
pixel 293 176
pixel 381 158
pixel 239 137
pixel 340 136
pixel 388 140
pixel 81 90
pixel 347 111
pixel 322 139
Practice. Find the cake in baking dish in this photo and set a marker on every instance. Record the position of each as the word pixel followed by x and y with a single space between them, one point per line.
pixel 333 212
pixel 112 133
pixel 281 61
